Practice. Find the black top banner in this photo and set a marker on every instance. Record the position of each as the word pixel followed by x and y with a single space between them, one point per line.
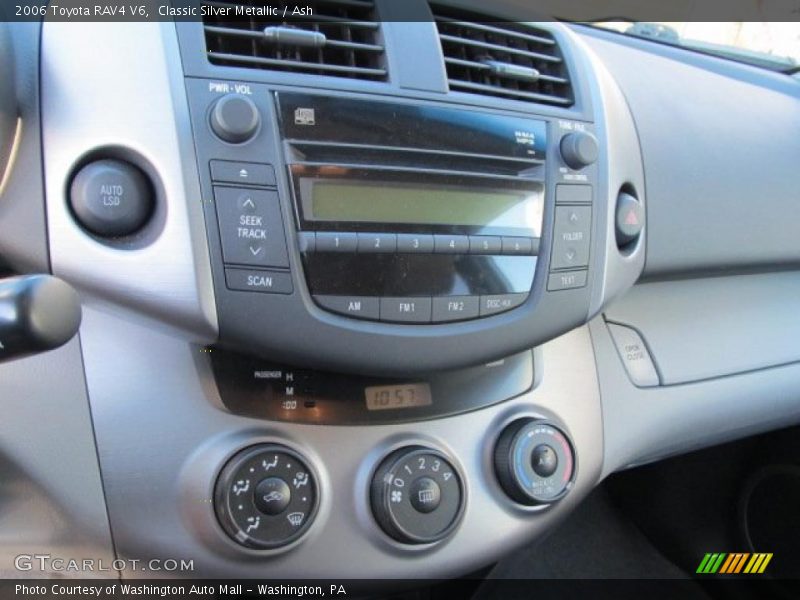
pixel 400 10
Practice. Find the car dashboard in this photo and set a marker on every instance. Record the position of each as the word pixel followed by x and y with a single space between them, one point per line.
pixel 389 304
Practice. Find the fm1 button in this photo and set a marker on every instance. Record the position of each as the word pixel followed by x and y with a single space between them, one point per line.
pixel 111 198
pixel 273 496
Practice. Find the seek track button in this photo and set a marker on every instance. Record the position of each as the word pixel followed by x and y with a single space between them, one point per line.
pixel 251 227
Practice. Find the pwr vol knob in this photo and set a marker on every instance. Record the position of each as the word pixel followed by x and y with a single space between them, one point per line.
pixel 534 462
pixel 235 118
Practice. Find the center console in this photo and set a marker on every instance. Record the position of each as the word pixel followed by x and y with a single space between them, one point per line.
pixel 343 290
pixel 404 231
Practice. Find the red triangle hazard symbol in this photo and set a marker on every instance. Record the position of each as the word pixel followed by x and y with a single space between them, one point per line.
pixel 631 219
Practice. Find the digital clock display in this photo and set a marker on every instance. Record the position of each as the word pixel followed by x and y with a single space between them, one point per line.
pixel 405 395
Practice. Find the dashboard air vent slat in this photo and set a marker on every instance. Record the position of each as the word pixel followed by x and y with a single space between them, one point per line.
pixel 341 39
pixel 506 59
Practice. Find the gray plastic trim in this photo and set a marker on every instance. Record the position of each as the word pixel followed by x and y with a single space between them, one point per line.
pixel 138 111
pixel 23 234
pixel 705 328
pixel 51 494
pixel 720 153
pixel 621 169
pixel 641 425
pixel 189 437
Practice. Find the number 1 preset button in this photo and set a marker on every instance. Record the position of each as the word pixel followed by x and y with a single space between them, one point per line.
pixel 334 241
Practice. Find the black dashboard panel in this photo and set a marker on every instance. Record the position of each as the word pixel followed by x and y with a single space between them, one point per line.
pixel 285 318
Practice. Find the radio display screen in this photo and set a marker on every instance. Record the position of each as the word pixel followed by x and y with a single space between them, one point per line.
pixel 408 395
pixel 407 203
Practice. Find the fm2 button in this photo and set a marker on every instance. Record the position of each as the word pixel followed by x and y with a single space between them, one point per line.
pixel 111 198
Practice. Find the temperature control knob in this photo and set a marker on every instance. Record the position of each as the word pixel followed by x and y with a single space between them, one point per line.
pixel 579 149
pixel 534 461
pixel 417 495
pixel 265 497
pixel 235 118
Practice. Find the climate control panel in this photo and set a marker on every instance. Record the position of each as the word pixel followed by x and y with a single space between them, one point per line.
pixel 266 497
pixel 417 495
pixel 534 462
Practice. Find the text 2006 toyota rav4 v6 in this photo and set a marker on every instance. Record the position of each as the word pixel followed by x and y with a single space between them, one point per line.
pixel 411 299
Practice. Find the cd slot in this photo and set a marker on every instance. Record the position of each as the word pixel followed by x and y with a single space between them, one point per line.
pixel 414 158
pixel 339 167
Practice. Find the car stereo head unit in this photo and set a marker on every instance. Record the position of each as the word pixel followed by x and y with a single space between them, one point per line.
pixel 414 214
pixel 353 232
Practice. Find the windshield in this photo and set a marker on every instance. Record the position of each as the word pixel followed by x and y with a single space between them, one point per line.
pixel 771 45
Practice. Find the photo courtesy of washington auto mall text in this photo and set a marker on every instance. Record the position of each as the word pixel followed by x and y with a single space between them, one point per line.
pixel 65 590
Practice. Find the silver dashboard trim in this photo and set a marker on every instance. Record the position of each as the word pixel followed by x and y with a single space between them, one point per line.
pixel 189 437
pixel 127 95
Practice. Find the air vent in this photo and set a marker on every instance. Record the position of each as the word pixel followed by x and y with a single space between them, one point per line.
pixel 506 59
pixel 341 39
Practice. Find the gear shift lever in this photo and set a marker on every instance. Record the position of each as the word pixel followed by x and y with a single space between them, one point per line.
pixel 37 313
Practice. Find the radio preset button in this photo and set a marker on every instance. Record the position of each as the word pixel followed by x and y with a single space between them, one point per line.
pixel 406 310
pixel 485 244
pixel 360 307
pixel 249 280
pixel 572 236
pixel 334 241
pixel 517 245
pixel 251 227
pixel 498 303
pixel 242 172
pixel 413 243
pixel 450 244
pixel 455 308
pixel 377 243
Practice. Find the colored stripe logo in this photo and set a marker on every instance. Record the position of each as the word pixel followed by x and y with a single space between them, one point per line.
pixel 734 563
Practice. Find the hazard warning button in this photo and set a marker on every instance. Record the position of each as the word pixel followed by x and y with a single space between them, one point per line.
pixel 629 220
